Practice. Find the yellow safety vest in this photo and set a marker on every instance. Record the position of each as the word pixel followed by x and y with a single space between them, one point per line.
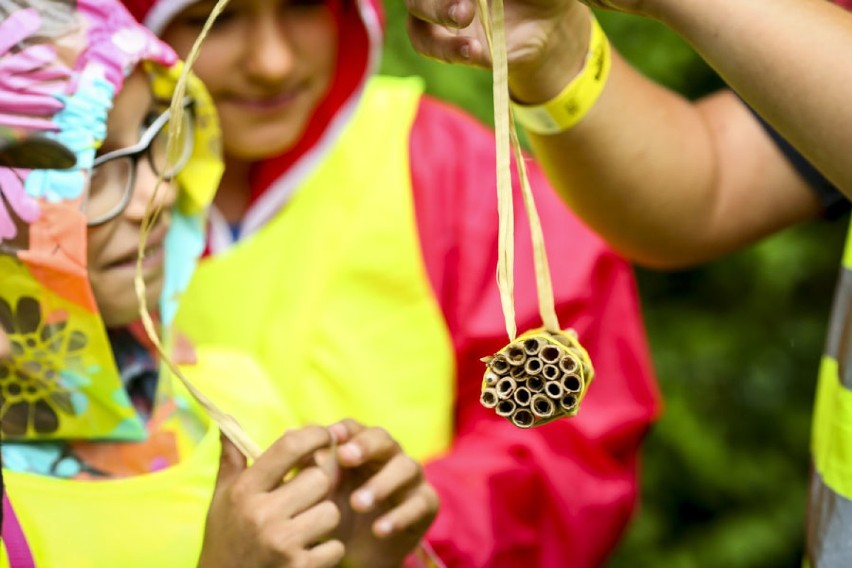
pixel 156 519
pixel 332 295
pixel 830 515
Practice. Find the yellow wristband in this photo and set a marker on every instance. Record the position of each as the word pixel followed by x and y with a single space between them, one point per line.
pixel 576 100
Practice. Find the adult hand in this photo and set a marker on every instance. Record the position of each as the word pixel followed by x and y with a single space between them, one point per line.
pixel 450 30
pixel 546 40
pixel 256 519
pixel 387 503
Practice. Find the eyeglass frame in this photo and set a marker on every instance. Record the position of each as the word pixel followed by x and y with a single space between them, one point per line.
pixel 135 152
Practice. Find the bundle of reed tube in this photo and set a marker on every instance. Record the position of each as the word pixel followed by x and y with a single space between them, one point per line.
pixel 539 377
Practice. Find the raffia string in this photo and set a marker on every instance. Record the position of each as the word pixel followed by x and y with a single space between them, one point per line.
pixel 227 425
pixel 493 23
pixel 495 34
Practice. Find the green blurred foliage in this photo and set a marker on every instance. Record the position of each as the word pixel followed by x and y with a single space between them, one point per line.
pixel 736 345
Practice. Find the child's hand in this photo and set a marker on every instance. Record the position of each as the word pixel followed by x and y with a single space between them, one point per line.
pixel 391 505
pixel 4 344
pixel 256 519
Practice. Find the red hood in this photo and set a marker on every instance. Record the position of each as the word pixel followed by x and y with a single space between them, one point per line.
pixel 360 23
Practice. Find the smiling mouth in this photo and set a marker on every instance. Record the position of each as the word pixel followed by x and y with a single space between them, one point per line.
pixel 268 103
pixel 153 254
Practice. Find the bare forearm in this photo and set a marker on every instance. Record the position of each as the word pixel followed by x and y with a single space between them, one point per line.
pixel 668 182
pixel 789 60
pixel 617 169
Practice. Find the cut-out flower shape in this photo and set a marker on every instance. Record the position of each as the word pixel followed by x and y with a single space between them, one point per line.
pixel 33 394
pixel 30 77
pixel 12 194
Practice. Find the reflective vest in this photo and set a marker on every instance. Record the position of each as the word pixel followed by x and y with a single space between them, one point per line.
pixel 830 515
pixel 154 519
pixel 332 295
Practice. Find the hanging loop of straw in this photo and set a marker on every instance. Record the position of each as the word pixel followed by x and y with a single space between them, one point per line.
pixel 506 136
pixel 495 35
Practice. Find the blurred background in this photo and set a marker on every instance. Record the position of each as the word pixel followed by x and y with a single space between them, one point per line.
pixel 736 345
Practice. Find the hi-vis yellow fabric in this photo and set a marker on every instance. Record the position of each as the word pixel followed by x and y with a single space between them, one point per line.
pixel 830 506
pixel 161 520
pixel 832 430
pixel 832 422
pixel 335 329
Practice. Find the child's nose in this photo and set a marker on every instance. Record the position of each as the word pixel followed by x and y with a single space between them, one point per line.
pixel 269 55
pixel 146 188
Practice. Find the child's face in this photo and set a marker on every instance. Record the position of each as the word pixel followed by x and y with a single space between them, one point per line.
pixel 267 64
pixel 112 246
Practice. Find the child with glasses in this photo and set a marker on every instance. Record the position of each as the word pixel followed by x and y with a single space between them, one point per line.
pixel 107 460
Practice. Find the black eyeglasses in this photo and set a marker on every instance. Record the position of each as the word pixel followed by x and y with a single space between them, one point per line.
pixel 114 173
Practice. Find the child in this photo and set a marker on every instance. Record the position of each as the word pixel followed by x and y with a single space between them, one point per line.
pixel 108 462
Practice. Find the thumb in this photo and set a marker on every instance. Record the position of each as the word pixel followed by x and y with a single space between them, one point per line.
pixel 231 462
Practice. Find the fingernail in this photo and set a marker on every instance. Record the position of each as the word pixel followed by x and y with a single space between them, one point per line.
pixel 364 499
pixel 453 13
pixel 338 431
pixel 464 51
pixel 383 527
pixel 350 452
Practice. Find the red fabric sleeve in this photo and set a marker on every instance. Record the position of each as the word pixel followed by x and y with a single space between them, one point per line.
pixel 558 495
